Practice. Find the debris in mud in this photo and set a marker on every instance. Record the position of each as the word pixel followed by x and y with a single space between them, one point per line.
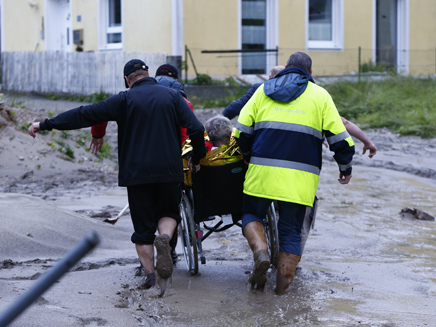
pixel 7 264
pixel 416 213
pixel 102 214
pixel 27 174
pixel 107 212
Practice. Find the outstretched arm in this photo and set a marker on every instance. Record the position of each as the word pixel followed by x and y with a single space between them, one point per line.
pixel 356 132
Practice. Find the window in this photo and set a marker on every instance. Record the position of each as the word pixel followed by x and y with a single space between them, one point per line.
pixel 111 36
pixel 253 14
pixel 325 24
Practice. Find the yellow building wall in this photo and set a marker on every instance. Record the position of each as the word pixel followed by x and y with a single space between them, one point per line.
pixel 212 25
pixel 215 25
pixel 422 37
pixel 23 25
pixel 291 39
pixel 88 12
pixel 147 26
pixel 358 32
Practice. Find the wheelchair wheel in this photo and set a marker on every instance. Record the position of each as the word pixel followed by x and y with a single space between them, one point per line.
pixel 187 235
pixel 272 235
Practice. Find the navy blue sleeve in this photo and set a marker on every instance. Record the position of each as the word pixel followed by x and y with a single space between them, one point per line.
pixel 86 116
pixel 234 108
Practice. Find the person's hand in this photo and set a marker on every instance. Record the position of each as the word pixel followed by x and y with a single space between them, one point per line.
pixel 96 144
pixel 33 129
pixel 371 148
pixel 194 168
pixel 325 144
pixel 344 179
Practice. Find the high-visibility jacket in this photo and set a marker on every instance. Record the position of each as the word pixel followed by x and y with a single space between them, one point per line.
pixel 282 140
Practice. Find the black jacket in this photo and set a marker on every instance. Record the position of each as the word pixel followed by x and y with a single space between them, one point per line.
pixel 149 117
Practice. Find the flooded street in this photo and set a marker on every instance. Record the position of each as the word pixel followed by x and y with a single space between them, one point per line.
pixel 379 266
pixel 364 264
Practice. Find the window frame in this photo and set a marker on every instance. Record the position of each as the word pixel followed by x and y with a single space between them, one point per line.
pixel 337 42
pixel 105 29
pixel 272 33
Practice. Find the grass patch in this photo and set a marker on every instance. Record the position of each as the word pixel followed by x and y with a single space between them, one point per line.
pixel 95 97
pixel 202 103
pixel 65 149
pixel 106 151
pixel 405 105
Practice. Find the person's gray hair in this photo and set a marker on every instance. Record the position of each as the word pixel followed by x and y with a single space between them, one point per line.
pixel 300 60
pixel 275 70
pixel 219 129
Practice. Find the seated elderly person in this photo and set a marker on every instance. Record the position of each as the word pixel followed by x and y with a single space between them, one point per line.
pixel 218 185
pixel 219 129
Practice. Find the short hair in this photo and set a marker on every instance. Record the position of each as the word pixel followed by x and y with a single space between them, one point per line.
pixel 138 72
pixel 300 60
pixel 219 129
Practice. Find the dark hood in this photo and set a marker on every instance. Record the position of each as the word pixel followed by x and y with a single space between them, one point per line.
pixel 288 85
pixel 171 83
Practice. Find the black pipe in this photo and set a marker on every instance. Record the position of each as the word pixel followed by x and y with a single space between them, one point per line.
pixel 49 278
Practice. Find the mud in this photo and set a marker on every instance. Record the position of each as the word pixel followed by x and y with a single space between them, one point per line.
pixel 365 264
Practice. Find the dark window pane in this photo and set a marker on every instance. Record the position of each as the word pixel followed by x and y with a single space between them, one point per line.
pixel 114 13
pixel 253 36
pixel 114 38
pixel 253 22
pixel 253 46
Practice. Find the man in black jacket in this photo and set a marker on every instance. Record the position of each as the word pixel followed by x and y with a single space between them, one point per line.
pixel 149 117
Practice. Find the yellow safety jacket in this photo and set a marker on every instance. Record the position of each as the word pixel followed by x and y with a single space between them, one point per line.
pixel 282 141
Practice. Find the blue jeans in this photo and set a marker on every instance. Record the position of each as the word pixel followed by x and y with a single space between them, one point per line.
pixel 289 225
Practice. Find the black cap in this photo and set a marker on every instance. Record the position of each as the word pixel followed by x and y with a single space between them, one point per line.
pixel 167 70
pixel 132 66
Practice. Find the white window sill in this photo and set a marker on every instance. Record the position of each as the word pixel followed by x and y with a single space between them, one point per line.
pixel 325 49
pixel 111 48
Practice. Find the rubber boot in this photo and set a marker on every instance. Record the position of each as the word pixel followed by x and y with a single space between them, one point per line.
pixel 256 238
pixel 286 268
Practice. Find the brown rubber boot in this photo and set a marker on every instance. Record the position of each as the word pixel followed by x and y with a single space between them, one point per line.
pixel 255 235
pixel 286 268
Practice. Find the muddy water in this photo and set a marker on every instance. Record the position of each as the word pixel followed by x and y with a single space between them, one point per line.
pixel 364 265
pixel 387 262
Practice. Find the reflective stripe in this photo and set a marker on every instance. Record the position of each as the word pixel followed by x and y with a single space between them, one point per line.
pixel 244 128
pixel 344 167
pixel 338 137
pixel 289 127
pixel 285 164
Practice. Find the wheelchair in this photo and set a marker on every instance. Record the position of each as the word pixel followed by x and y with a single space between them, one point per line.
pixel 217 191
